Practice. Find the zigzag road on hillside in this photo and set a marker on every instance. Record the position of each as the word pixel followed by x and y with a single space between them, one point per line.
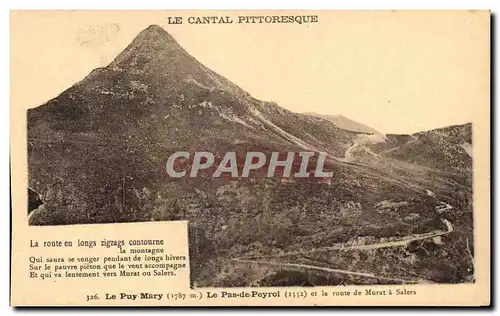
pixel 312 267
pixel 397 243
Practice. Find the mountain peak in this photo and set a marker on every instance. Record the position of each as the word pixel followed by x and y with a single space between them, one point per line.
pixel 155 28
pixel 150 43
pixel 155 32
pixel 156 58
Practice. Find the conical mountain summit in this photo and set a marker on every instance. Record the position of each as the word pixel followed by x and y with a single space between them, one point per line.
pixel 158 59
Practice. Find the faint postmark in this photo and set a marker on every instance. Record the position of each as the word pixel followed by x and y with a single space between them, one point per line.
pixel 94 36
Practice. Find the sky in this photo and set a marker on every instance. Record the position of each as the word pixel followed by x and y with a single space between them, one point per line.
pixel 396 71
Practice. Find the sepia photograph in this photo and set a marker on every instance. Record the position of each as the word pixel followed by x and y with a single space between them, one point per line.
pixel 397 209
pixel 299 149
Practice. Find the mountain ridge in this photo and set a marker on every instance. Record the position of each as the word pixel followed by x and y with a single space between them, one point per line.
pixel 345 123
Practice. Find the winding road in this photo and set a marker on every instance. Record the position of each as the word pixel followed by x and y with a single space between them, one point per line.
pixel 396 243
pixel 359 142
pixel 348 156
pixel 311 267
